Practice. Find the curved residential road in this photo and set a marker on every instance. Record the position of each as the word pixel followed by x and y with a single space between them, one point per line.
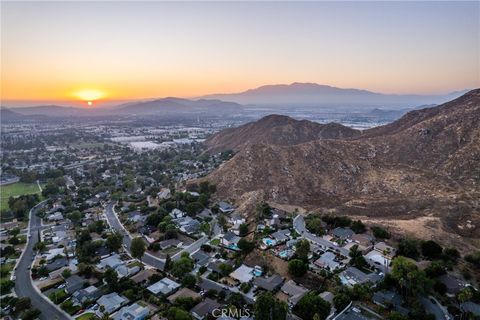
pixel 149 259
pixel 23 283
pixel 127 237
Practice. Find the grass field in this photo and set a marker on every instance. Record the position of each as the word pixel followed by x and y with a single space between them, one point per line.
pixel 14 190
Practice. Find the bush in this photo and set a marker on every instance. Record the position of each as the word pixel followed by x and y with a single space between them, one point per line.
pixel 474 259
pixel 380 233
pixel 431 250
pixel 297 268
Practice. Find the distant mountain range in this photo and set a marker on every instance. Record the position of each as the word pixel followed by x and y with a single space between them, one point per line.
pixel 165 106
pixel 424 164
pixel 294 95
pixel 312 94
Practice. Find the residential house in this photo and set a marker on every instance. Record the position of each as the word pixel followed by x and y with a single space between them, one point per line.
pixel 343 233
pixel 386 250
pixel 57 216
pixel 177 213
pixel 204 308
pixel 74 283
pixel 111 302
pixel 90 293
pixel 214 266
pixel 200 257
pixel 165 244
pixel 57 264
pixel 230 240
pixel 271 283
pixel 164 194
pixel 363 239
pixel 143 276
pixel 205 214
pixel 294 292
pixel 242 274
pixel 225 207
pixel 390 300
pixel 281 236
pixel 132 312
pixel 113 262
pixel 164 287
pixel 328 261
pixel 352 276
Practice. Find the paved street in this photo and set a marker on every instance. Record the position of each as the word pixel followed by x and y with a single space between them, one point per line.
pixel 127 239
pixel 23 283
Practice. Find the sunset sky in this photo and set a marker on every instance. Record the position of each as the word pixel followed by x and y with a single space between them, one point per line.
pixel 112 51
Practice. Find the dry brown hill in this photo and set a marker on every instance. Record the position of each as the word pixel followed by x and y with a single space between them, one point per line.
pixel 277 130
pixel 425 164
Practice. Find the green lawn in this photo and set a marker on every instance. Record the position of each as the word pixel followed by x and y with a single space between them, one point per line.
pixel 215 242
pixel 14 190
pixel 87 316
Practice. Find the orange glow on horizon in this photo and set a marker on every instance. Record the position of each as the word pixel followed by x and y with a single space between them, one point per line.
pixel 89 95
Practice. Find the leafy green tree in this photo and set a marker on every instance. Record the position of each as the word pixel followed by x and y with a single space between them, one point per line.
pixel 380 233
pixel 193 208
pixel 111 279
pixel 409 278
pixel 175 313
pixel 435 269
pixel 189 280
pixel 358 227
pixel 236 299
pixel 341 300
pixel 312 304
pixel 450 255
pixel 302 249
pixel 408 248
pixel 267 307
pixel 137 248
pixel 114 241
pixel 75 217
pixel 246 246
pixel 40 246
pixel 297 267
pixel 243 230
pixel 357 258
pixel 66 273
pixel 314 225
pixel 30 314
pixel 182 266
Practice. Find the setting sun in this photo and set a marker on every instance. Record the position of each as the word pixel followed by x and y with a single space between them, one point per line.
pixel 89 95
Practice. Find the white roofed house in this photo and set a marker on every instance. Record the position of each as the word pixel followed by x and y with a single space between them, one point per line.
pixel 242 274
pixel 164 194
pixel 132 312
pixel 328 261
pixel 236 221
pixel 111 302
pixel 177 213
pixel 163 287
pixel 57 216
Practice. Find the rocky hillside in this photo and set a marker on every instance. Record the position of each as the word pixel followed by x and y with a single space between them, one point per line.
pixel 426 163
pixel 276 130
